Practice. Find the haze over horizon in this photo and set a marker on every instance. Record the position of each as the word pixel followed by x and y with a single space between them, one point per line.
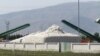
pixel 8 6
pixel 41 19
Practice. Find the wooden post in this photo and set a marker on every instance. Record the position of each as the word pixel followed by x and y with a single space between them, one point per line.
pixel 59 46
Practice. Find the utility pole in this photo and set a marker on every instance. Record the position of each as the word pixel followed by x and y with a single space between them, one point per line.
pixel 7 28
pixel 78 3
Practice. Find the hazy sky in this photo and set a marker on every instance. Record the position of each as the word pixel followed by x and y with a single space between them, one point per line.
pixel 7 6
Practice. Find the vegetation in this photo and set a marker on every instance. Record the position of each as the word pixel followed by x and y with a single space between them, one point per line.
pixel 41 53
pixel 10 37
pixel 96 34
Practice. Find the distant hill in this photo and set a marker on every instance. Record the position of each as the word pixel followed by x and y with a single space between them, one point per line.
pixel 40 19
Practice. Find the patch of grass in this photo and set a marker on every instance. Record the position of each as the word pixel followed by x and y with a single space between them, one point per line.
pixel 41 53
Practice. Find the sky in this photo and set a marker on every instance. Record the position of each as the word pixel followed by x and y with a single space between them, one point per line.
pixel 8 6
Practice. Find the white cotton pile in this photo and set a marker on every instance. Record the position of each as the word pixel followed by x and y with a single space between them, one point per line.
pixel 39 37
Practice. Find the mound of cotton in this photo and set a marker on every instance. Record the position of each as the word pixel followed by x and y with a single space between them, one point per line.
pixel 40 37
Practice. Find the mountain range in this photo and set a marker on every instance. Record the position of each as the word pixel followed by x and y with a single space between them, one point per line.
pixel 41 19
